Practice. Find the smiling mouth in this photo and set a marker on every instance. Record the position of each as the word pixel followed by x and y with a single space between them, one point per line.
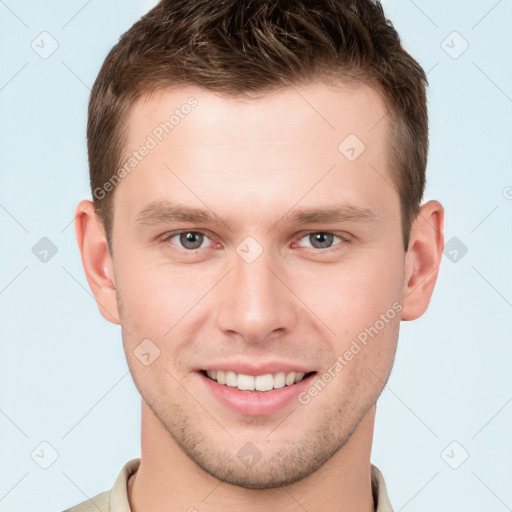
pixel 258 383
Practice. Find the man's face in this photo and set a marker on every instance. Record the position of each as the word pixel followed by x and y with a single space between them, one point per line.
pixel 260 290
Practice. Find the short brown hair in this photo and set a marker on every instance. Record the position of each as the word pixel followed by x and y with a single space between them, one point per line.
pixel 237 47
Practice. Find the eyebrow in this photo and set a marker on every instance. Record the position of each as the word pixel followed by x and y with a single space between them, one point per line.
pixel 161 212
pixel 343 212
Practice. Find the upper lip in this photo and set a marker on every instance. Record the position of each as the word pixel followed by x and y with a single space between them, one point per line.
pixel 251 368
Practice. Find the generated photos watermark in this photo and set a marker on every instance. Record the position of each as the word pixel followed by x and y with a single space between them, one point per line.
pixel 156 136
pixel 342 360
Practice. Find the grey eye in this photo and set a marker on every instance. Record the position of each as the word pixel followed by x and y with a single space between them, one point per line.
pixel 191 239
pixel 320 240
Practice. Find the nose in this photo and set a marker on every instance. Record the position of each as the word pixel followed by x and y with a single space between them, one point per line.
pixel 255 301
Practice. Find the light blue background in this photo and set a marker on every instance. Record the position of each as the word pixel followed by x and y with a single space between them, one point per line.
pixel 64 378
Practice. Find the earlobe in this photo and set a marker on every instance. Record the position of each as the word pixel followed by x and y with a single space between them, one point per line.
pixel 96 259
pixel 422 259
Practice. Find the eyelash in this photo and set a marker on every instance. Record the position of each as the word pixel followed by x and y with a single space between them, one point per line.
pixel 343 239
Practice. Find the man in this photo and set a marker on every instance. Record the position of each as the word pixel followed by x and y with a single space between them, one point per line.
pixel 257 231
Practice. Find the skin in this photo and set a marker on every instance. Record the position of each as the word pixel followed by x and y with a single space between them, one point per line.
pixel 251 161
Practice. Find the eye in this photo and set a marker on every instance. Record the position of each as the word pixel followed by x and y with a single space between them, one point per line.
pixel 189 240
pixel 194 240
pixel 321 240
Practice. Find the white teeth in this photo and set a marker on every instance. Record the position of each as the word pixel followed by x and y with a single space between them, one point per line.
pixel 246 382
pixel 290 379
pixel 265 382
pixel 231 379
pixel 279 380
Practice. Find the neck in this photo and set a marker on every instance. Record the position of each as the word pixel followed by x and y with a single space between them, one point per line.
pixel 167 479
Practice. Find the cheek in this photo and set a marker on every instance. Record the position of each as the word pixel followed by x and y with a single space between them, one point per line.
pixel 352 295
pixel 155 295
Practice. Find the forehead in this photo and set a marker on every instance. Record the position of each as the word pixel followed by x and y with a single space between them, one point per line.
pixel 328 109
pixel 254 149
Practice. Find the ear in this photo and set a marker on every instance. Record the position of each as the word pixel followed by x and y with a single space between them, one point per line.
pixel 96 259
pixel 422 259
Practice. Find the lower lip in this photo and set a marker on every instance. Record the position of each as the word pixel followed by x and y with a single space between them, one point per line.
pixel 253 403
